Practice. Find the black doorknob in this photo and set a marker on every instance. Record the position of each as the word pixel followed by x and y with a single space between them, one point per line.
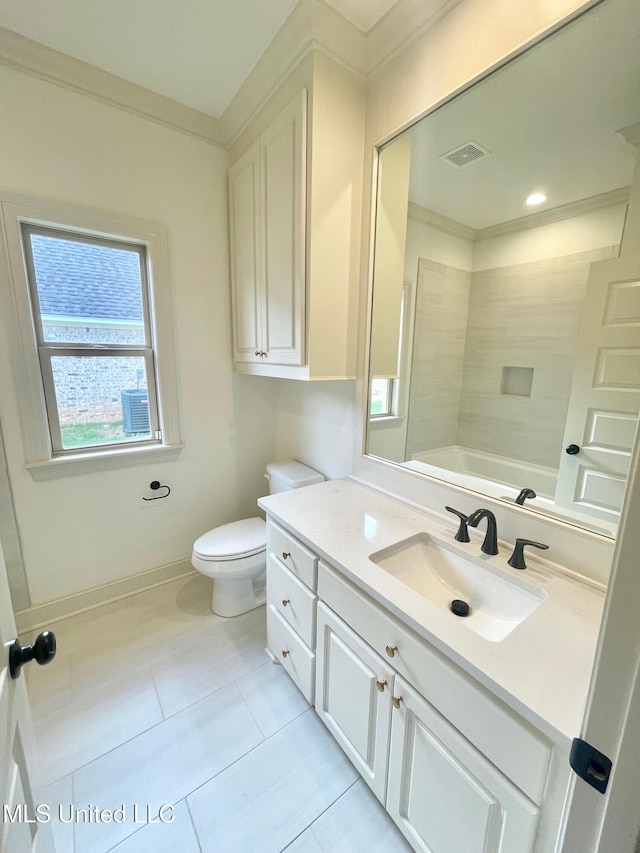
pixel 573 449
pixel 42 651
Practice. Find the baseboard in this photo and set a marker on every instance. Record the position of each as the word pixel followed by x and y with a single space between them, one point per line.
pixel 42 615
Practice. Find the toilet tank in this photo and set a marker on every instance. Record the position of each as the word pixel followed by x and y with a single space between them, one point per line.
pixel 283 476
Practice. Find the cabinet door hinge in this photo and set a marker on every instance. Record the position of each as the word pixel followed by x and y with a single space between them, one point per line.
pixel 592 766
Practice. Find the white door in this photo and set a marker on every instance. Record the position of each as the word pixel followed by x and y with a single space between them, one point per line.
pixel 605 393
pixel 353 697
pixel 443 794
pixel 17 749
pixel 610 822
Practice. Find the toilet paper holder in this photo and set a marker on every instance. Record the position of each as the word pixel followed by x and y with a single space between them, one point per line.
pixel 155 485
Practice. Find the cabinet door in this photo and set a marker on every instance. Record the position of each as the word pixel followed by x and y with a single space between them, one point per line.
pixel 288 649
pixel 353 697
pixel 443 794
pixel 283 170
pixel 244 200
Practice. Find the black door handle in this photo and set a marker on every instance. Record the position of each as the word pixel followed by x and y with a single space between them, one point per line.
pixel 572 449
pixel 42 651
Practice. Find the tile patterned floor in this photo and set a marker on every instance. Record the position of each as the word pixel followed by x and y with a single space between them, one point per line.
pixel 154 701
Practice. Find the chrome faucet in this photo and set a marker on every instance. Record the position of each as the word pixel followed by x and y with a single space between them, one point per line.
pixel 490 544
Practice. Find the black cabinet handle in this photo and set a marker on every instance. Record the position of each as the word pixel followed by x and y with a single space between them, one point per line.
pixel 572 449
pixel 42 651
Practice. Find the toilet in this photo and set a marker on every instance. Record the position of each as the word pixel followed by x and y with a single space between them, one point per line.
pixel 235 554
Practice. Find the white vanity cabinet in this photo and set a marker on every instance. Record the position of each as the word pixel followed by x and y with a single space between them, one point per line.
pixel 441 792
pixel 291 606
pixel 353 689
pixel 457 769
pixel 267 198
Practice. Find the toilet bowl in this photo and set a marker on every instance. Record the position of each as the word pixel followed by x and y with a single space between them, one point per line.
pixel 234 554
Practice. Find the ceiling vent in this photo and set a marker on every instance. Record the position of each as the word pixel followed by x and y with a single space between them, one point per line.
pixel 465 154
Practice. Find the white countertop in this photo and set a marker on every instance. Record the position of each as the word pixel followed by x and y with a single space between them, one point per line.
pixel 541 669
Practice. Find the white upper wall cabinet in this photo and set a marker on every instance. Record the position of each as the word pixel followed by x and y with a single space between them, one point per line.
pixel 267 207
pixel 295 206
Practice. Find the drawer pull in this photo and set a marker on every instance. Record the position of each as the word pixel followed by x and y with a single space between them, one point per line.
pixel 391 650
pixel 286 554
pixel 380 685
pixel 286 601
pixel 285 652
pixel 396 701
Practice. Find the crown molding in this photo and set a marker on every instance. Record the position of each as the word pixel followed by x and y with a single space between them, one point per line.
pixel 631 135
pixel 312 26
pixel 403 23
pixel 556 214
pixel 442 223
pixel 43 62
pixel 533 220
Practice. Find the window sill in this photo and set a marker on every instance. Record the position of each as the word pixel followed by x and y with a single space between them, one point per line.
pixel 383 421
pixel 88 463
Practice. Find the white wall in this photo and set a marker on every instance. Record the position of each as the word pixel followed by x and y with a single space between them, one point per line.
pixel 316 423
pixel 83 531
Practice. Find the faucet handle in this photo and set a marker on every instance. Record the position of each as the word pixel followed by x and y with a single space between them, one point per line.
pixel 516 560
pixel 463 534
pixel 524 494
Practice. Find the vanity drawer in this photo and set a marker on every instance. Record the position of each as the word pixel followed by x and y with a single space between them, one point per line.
pixel 298 559
pixel 513 746
pixel 292 599
pixel 289 650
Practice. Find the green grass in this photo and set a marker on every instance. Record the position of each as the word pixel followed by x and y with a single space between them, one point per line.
pixel 376 407
pixel 92 434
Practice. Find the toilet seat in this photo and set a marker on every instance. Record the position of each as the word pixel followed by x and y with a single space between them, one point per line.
pixel 233 541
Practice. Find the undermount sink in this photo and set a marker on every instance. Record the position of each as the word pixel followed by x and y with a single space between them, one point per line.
pixel 498 603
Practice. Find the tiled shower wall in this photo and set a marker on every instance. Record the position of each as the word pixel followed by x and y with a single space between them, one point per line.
pixel 519 316
pixel 442 302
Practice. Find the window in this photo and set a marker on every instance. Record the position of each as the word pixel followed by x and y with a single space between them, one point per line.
pixel 381 397
pixel 93 303
pixel 385 396
pixel 90 305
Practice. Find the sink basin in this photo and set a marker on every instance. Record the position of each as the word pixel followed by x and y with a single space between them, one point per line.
pixel 498 603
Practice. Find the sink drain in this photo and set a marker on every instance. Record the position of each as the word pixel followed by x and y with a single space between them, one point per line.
pixel 459 607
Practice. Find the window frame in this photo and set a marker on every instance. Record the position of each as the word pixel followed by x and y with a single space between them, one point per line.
pixel 44 459
pixel 397 391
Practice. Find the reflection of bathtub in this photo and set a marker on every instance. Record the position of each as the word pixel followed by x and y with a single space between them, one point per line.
pixel 502 478
pixel 471 464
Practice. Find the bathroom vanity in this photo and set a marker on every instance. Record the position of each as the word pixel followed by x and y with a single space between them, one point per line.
pixel 460 726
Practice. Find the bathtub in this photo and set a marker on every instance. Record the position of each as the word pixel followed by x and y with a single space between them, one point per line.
pixel 473 464
pixel 503 479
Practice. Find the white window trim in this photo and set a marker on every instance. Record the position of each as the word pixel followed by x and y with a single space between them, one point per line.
pixel 21 337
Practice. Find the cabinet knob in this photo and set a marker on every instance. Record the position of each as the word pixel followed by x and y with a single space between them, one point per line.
pixel 380 685
pixel 391 650
pixel 286 601
pixel 396 701
pixel 285 652
pixel 286 554
pixel 261 353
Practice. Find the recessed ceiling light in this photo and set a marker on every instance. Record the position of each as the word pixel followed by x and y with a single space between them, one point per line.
pixel 536 198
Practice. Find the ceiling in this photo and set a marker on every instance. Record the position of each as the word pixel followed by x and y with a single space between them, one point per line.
pixel 548 120
pixel 196 52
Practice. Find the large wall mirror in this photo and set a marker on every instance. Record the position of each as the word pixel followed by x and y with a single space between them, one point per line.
pixel 505 339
